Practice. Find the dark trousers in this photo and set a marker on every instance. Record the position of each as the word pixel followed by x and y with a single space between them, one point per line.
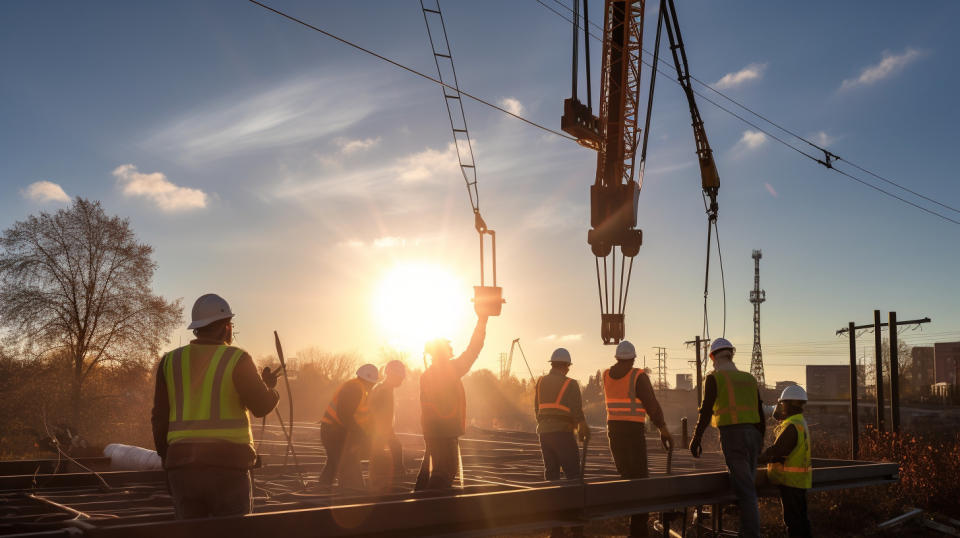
pixel 441 463
pixel 741 445
pixel 210 491
pixel 794 503
pixel 333 440
pixel 386 463
pixel 559 451
pixel 629 448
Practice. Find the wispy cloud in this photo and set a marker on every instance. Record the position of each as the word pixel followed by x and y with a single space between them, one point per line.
pixel 750 140
pixel 571 337
pixel 822 139
pixel 512 105
pixel 45 191
pixel 294 112
pixel 771 190
pixel 348 146
pixel 429 165
pixel 890 65
pixel 753 71
pixel 158 189
pixel 549 337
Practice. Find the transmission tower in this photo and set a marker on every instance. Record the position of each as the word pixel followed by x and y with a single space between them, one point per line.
pixel 757 296
pixel 661 368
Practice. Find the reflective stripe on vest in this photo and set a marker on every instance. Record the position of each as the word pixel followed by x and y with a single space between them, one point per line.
pixel 555 407
pixel 621 397
pixel 361 416
pixel 736 401
pixel 796 471
pixel 442 401
pixel 207 408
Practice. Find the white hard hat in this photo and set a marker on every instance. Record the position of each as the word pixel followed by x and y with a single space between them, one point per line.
pixel 794 392
pixel 368 372
pixel 207 309
pixel 561 355
pixel 721 343
pixel 395 368
pixel 625 351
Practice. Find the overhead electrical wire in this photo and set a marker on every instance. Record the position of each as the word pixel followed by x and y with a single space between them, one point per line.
pixel 829 157
pixel 410 69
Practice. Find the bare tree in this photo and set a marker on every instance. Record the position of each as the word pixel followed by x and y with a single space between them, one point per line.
pixel 75 285
pixel 335 367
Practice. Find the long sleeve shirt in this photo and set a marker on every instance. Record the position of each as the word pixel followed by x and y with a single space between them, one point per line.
pixel 464 362
pixel 347 403
pixel 782 447
pixel 254 395
pixel 706 407
pixel 571 399
pixel 644 391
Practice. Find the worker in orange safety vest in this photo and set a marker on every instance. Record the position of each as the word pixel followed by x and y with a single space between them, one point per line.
pixel 558 406
pixel 344 429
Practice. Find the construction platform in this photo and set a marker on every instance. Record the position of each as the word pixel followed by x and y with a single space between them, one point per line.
pixel 503 491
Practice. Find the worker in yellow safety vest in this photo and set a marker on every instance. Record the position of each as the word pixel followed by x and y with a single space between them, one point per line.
pixel 731 403
pixel 629 399
pixel 558 407
pixel 200 424
pixel 788 460
pixel 443 408
pixel 345 429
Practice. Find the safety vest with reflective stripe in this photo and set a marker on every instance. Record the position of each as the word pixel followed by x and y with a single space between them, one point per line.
pixel 361 416
pixel 204 402
pixel 621 397
pixel 796 471
pixel 552 407
pixel 736 401
pixel 443 403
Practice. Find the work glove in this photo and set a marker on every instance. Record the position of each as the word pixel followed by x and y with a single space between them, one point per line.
pixel 269 377
pixel 695 448
pixel 666 439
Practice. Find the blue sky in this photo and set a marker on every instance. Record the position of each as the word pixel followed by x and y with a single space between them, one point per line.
pixel 289 172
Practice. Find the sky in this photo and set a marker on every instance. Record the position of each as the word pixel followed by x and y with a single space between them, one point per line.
pixel 293 175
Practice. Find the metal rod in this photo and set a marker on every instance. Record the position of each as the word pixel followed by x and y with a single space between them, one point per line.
pixel 878 350
pixel 894 376
pixel 854 407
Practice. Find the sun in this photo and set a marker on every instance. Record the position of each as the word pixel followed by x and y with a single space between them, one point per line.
pixel 418 301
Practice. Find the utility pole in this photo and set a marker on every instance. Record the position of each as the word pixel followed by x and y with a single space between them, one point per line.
pixel 757 296
pixel 661 368
pixel 851 329
pixel 697 342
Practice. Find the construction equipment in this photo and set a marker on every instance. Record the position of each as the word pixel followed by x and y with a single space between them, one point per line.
pixel 506 360
pixel 487 300
pixel 615 135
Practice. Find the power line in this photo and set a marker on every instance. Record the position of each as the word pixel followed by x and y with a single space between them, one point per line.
pixel 411 70
pixel 829 157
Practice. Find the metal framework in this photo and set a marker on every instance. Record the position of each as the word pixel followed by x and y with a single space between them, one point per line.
pixel 504 492
pixel 757 296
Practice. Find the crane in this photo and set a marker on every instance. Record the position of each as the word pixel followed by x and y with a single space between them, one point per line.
pixel 616 136
pixel 506 360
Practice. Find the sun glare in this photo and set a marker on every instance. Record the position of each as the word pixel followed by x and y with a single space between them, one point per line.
pixel 417 301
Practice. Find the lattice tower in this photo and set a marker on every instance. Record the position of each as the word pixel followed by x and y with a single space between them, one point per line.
pixel 757 296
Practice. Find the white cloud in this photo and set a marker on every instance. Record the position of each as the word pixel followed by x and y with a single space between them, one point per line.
pixel 157 188
pixel 512 105
pixel 750 140
pixel 732 80
pixel 771 190
pixel 45 191
pixel 890 65
pixel 571 338
pixel 549 337
pixel 348 146
pixel 290 113
pixel 429 164
pixel 822 139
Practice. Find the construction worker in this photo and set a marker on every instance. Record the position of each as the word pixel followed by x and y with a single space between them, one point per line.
pixel 200 424
pixel 385 469
pixel 344 429
pixel 629 400
pixel 559 410
pixel 731 402
pixel 788 460
pixel 443 408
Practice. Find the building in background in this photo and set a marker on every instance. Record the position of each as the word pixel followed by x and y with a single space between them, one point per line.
pixel 684 381
pixel 922 370
pixel 946 362
pixel 832 382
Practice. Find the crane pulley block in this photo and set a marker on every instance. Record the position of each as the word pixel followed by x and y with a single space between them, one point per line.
pixel 612 328
pixel 613 215
pixel 487 300
pixel 578 121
